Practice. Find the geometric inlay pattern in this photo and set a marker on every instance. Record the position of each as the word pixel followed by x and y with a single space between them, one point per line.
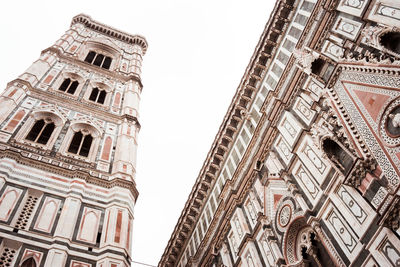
pixel 362 119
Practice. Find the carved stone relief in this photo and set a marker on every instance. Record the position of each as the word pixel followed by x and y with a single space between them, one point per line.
pixel 372 36
pixel 305 58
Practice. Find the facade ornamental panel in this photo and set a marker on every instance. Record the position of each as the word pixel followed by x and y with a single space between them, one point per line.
pixel 68 131
pixel 304 170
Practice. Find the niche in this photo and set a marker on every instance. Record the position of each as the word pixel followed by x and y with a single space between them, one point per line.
pixel 317 66
pixel 391 41
pixel 340 157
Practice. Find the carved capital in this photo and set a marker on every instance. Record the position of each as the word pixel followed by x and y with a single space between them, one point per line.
pixel 392 220
pixel 359 172
pixel 305 58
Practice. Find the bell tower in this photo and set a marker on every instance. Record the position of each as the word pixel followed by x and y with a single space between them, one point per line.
pixel 68 140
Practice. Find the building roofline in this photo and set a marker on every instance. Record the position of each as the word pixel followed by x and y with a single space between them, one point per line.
pixel 241 102
pixel 110 31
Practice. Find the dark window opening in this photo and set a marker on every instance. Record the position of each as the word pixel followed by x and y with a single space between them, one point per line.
pixel 98 60
pixel 338 155
pixel 391 41
pixel 304 253
pixel 29 263
pixel 72 88
pixel 317 66
pixel 64 85
pixel 107 63
pixel 102 97
pixel 75 143
pixel 97 95
pixel 35 131
pixel 93 94
pixel 69 86
pixel 46 133
pixel 41 132
pixel 85 148
pixel 89 58
pixel 80 144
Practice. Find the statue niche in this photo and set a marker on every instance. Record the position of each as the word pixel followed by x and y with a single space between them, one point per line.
pixel 391 41
pixel 338 155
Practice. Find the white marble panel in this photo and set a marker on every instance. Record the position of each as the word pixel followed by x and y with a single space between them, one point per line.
pixel 352 7
pixel 347 27
pixel 290 128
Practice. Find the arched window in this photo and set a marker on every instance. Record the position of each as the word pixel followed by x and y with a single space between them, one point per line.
pixel 80 144
pixel 107 63
pixel 391 41
pixel 90 56
pixel 29 263
pixel 338 155
pixel 98 95
pixel 98 60
pixel 69 86
pixel 41 131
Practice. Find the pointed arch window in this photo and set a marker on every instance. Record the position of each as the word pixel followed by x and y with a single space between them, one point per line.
pixel 81 143
pixel 41 131
pixel 69 86
pixel 97 95
pixel 98 60
pixel 29 263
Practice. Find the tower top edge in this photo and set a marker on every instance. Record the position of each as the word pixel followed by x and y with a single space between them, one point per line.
pixel 90 23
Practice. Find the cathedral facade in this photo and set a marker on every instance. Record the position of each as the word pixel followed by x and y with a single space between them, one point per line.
pixel 68 131
pixel 304 170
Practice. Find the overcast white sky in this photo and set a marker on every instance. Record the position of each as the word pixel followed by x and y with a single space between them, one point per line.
pixel 198 52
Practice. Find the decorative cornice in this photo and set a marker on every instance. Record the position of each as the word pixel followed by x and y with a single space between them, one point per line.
pixel 112 32
pixel 86 175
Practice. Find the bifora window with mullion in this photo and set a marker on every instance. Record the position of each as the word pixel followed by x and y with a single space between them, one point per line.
pixel 80 144
pixel 98 60
pixel 98 96
pixel 41 131
pixel 69 86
